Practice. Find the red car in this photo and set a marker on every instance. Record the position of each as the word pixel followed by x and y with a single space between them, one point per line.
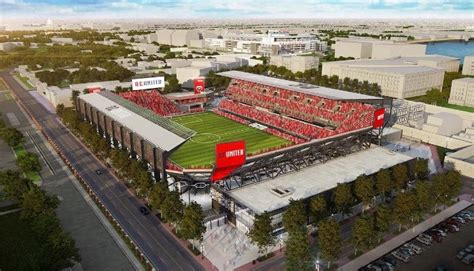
pixel 453 222
pixel 436 236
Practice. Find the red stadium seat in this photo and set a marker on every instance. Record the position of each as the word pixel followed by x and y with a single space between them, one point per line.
pixel 152 100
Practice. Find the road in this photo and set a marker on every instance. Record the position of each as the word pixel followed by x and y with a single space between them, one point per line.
pixel 147 232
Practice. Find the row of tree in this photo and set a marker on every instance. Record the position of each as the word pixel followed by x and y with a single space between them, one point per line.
pixel 187 219
pixel 407 208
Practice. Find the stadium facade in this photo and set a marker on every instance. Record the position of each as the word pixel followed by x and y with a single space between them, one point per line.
pixel 327 130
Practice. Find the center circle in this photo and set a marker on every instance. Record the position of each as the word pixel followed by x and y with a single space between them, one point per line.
pixel 205 138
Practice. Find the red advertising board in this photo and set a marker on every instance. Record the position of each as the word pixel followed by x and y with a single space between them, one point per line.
pixel 379 117
pixel 229 157
pixel 199 85
pixel 93 89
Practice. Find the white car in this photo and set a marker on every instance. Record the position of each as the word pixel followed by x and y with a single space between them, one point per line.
pixel 401 256
pixel 459 219
pixel 466 216
pixel 415 248
pixel 423 240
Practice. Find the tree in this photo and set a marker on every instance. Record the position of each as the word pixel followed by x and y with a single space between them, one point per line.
pixel 62 252
pixel 383 182
pixel 343 198
pixel 294 219
pixel 261 232
pixel 172 84
pixel 14 186
pixel 424 197
pixel 421 169
pixel 382 219
pixel 36 201
pixel 362 232
pixel 191 226
pixel 158 194
pixel 318 208
pixel 172 208
pixel 329 238
pixel 364 190
pixel 28 161
pixel 11 136
pixel 404 208
pixel 400 176
pixel 298 252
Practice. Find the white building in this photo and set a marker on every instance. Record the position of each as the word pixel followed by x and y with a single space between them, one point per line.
pixel 401 77
pixel 145 47
pixel 376 49
pixel 201 67
pixel 295 63
pixel 57 40
pixel 462 92
pixel 7 46
pixel 468 65
pixel 178 37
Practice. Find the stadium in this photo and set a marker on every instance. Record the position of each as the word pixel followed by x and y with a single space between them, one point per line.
pixel 288 131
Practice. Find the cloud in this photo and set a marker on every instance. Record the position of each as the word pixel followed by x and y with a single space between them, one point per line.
pixel 239 9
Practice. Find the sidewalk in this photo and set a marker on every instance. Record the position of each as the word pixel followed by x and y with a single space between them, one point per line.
pixel 404 237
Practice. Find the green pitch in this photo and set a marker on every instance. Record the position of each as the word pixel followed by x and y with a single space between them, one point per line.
pixel 199 151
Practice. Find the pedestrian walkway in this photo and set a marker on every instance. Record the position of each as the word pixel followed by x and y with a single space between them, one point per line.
pixel 402 238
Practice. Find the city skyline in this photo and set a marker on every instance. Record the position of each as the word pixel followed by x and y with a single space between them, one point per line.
pixel 246 9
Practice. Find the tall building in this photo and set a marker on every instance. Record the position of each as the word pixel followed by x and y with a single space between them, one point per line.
pixel 295 63
pixel 401 77
pixel 462 92
pixel 376 49
pixel 468 65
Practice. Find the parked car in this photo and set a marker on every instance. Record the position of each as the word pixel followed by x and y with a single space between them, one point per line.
pixel 98 172
pixel 453 222
pixel 426 236
pixel 461 254
pixel 466 216
pixel 459 219
pixel 469 259
pixel 440 231
pixel 390 260
pixel 384 265
pixel 422 239
pixel 408 249
pixel 469 249
pixel 415 248
pixel 401 256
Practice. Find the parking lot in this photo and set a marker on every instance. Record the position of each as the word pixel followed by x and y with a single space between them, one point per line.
pixel 436 254
pixel 443 253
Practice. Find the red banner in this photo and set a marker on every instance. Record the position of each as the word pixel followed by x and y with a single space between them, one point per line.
pixel 93 89
pixel 379 115
pixel 229 157
pixel 199 85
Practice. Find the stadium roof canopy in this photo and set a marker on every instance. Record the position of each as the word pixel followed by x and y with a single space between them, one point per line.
pixel 159 131
pixel 311 181
pixel 329 93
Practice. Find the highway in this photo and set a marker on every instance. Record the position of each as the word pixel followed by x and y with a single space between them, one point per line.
pixel 147 232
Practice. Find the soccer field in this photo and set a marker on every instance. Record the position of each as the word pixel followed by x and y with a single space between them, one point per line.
pixel 199 151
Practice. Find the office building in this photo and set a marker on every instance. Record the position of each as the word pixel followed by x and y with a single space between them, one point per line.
pixel 462 92
pixel 295 63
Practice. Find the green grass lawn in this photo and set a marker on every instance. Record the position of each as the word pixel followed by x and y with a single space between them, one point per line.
pixel 212 129
pixel 24 80
pixel 458 107
pixel 18 246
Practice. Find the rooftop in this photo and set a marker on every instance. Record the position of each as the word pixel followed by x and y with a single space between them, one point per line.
pixel 468 80
pixel 159 131
pixel 316 179
pixel 324 92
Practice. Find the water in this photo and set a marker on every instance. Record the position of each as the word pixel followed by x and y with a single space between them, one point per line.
pixel 458 49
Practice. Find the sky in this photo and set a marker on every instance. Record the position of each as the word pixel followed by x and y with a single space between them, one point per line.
pixel 235 9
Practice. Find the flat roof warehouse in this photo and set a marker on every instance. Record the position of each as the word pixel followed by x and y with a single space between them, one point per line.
pixel 260 197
